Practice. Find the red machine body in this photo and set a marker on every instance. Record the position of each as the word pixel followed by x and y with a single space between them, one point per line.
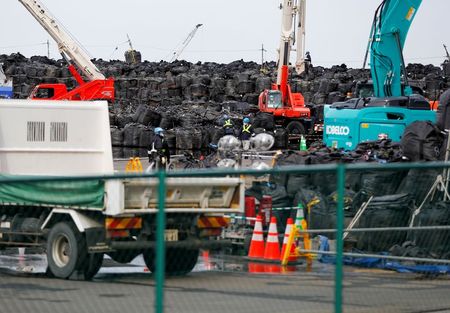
pixel 99 89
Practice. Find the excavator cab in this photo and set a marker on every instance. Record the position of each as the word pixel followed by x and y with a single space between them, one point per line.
pixel 274 99
pixel 48 91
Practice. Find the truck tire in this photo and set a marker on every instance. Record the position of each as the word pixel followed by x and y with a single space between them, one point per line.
pixel 295 128
pixel 92 265
pixel 179 261
pixel 65 250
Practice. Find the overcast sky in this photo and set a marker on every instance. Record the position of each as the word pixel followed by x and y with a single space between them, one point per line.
pixel 336 30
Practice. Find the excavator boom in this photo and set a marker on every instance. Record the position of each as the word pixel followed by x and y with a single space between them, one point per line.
pixel 388 34
pixel 95 88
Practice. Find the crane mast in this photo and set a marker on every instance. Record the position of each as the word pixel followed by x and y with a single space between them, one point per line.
pixel 292 10
pixel 185 43
pixel 67 45
pixel 301 16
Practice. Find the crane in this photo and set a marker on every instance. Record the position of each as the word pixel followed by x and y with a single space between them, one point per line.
pixel 188 39
pixel 132 56
pixel 96 87
pixel 446 53
pixel 288 107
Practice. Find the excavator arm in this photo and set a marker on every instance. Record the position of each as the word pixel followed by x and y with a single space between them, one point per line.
pixel 387 37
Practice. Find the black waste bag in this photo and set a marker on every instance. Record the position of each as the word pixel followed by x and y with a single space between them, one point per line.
pixel 167 122
pixel 443 111
pixel 145 137
pixel 418 182
pixel 349 196
pixel 380 183
pixel 264 120
pixel 385 211
pixel 435 242
pixel 188 139
pixel 295 182
pixel 318 215
pixel 281 136
pixel 171 139
pixel 325 181
pixel 116 136
pixel 150 118
pixel 216 134
pixel 131 135
pixel 422 140
pixel 143 114
pixel 291 158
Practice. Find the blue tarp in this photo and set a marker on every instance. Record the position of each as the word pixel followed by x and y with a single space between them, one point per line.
pixel 372 262
pixel 6 92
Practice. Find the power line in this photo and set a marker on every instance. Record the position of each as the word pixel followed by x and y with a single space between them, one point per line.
pixel 24 46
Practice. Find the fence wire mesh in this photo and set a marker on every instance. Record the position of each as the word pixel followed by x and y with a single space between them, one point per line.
pixel 376 239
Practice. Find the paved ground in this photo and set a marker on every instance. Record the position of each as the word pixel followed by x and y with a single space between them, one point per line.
pixel 218 284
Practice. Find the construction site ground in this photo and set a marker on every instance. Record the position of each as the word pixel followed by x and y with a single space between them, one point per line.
pixel 219 283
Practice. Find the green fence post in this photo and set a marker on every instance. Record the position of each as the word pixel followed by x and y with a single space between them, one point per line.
pixel 160 248
pixel 339 239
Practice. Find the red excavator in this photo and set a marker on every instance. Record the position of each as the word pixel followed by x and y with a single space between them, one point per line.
pixel 288 107
pixel 96 86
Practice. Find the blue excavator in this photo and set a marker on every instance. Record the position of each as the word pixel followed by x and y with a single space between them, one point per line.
pixel 394 105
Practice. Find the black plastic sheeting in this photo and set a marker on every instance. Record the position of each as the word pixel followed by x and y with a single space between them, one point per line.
pixel 422 141
pixel 384 211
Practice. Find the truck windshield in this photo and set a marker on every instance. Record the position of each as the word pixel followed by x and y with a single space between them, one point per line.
pixel 274 100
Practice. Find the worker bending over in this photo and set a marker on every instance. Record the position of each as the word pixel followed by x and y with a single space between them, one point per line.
pixel 228 125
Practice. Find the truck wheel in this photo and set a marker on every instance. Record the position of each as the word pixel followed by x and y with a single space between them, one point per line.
pixel 179 261
pixel 295 128
pixel 92 265
pixel 65 250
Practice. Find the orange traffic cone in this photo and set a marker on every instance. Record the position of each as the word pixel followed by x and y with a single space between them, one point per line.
pixel 272 251
pixel 257 244
pixel 292 255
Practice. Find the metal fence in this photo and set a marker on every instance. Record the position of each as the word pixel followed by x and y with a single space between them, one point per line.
pixel 335 175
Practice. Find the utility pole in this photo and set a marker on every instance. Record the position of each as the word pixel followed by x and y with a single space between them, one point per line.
pixel 48 49
pixel 263 69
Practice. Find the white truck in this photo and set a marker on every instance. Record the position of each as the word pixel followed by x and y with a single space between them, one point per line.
pixel 78 220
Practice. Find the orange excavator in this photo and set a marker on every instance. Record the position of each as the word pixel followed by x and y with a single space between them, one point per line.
pixel 288 107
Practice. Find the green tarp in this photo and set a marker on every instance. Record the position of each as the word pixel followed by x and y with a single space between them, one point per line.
pixel 88 193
